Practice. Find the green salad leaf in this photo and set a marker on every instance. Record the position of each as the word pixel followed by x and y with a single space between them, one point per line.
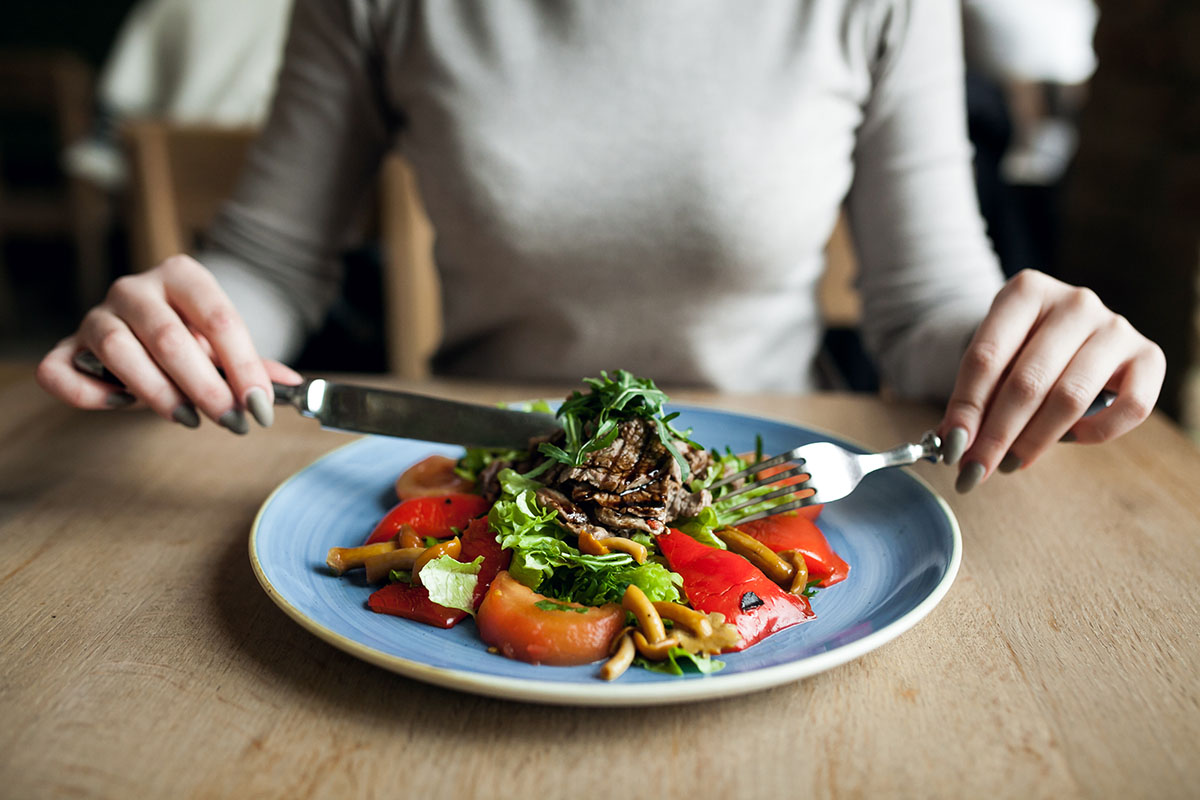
pixel 451 583
pixel 584 581
pixel 546 562
pixel 477 459
pixel 680 661
pixel 702 526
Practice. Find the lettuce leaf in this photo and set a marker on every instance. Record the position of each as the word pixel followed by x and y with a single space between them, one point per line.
pixel 546 562
pixel 701 527
pixel 451 583
pixel 580 581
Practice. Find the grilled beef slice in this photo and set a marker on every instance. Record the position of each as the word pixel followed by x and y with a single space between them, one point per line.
pixel 634 484
pixel 570 516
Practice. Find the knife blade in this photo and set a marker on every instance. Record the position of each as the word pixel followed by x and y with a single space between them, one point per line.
pixel 365 409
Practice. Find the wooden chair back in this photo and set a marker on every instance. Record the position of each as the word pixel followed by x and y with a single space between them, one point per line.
pixel 182 174
pixel 412 289
pixel 840 304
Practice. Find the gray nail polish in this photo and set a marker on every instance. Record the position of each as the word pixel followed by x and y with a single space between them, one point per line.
pixel 969 478
pixel 260 407
pixel 955 445
pixel 235 420
pixel 1010 463
pixel 186 415
pixel 119 400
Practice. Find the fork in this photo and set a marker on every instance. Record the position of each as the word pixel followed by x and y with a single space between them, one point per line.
pixel 839 470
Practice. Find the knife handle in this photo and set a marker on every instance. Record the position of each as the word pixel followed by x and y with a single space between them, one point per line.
pixel 86 362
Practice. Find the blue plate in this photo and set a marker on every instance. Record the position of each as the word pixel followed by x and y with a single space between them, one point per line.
pixel 901 540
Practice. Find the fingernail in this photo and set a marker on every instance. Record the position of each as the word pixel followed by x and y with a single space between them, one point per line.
pixel 235 420
pixel 260 407
pixel 1010 463
pixel 1069 437
pixel 969 477
pixel 119 400
pixel 185 414
pixel 955 445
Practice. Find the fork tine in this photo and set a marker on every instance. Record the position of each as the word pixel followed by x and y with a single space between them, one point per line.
pixel 781 509
pixel 768 481
pixel 761 465
pixel 762 498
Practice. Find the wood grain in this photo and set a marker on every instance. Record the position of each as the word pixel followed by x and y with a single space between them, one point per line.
pixel 140 658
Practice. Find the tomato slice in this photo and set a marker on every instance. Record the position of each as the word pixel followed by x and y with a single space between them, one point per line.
pixel 441 517
pixel 795 532
pixel 510 620
pixel 431 477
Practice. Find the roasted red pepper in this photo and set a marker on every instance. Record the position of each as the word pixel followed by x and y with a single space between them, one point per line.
pixel 720 581
pixel 441 517
pixel 796 532
pixel 412 602
pixel 478 540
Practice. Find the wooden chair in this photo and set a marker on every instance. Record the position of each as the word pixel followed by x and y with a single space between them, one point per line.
pixel 182 174
pixel 412 290
pixel 841 306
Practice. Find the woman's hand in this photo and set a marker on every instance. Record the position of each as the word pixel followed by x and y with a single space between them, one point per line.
pixel 1038 360
pixel 160 332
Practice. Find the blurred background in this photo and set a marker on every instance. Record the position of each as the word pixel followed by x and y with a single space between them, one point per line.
pixel 123 123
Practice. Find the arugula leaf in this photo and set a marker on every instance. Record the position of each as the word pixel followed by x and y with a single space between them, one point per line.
pixel 680 661
pixel 591 420
pixel 451 583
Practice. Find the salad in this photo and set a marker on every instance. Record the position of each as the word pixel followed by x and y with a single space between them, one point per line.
pixel 603 543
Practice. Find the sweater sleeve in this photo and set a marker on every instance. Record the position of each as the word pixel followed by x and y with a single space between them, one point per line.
pixel 274 247
pixel 927 271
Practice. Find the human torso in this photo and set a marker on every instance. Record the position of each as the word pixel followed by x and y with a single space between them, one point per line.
pixel 629 184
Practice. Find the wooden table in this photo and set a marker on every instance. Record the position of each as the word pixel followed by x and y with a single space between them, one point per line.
pixel 140 658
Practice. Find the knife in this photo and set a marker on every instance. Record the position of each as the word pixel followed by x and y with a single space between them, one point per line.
pixel 364 409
